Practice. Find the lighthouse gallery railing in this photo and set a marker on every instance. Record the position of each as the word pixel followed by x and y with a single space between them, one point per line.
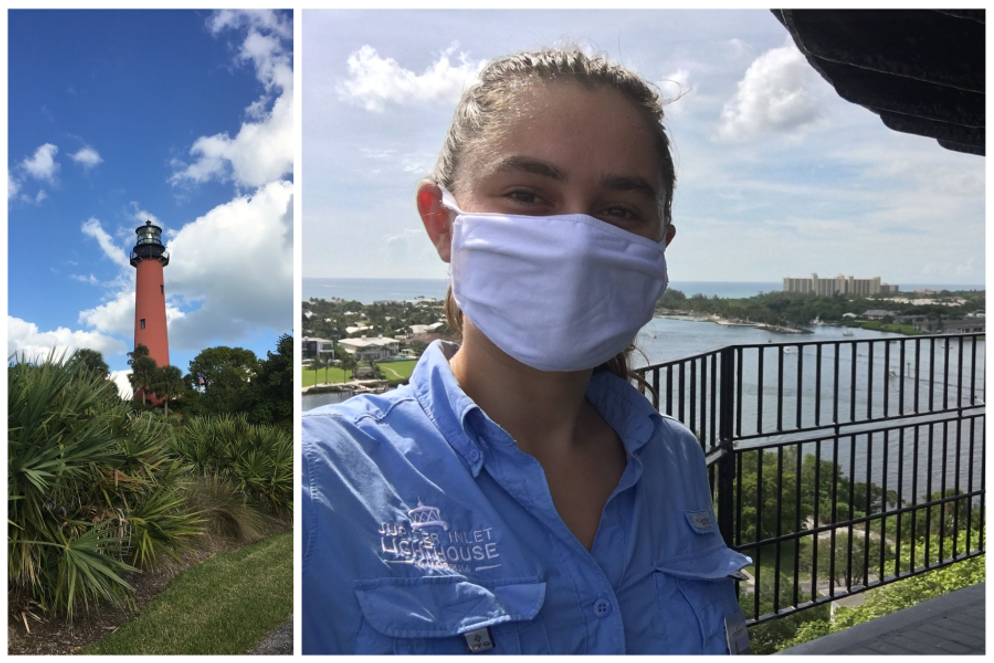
pixel 898 426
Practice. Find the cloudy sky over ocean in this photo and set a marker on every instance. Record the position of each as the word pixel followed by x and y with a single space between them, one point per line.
pixel 777 175
pixel 184 118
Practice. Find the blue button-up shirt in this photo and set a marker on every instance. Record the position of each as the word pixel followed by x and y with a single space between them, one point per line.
pixel 425 528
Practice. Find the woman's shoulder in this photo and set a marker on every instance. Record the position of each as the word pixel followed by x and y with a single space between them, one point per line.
pixel 371 425
pixel 677 438
pixel 368 413
pixel 674 456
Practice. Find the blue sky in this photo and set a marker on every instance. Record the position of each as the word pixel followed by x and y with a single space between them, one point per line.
pixel 777 175
pixel 184 118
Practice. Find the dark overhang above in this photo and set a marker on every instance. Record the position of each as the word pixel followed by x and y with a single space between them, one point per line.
pixel 921 71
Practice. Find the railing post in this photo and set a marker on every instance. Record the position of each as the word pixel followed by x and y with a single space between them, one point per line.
pixel 726 461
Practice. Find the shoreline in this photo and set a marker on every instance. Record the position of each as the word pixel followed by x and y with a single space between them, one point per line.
pixel 725 322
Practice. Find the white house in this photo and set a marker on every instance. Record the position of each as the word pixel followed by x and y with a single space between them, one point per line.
pixel 377 348
pixel 358 327
pixel 424 329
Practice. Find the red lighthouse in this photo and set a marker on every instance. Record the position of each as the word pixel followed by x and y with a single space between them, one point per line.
pixel 149 257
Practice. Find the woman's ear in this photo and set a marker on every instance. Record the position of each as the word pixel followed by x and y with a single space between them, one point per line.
pixel 435 216
pixel 670 234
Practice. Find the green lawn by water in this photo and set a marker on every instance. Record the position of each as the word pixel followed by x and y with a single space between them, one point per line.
pixel 224 605
pixel 395 371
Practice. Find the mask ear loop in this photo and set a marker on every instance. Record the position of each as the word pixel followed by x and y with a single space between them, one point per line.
pixel 448 200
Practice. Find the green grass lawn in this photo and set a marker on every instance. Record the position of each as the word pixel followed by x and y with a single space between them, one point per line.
pixel 395 371
pixel 398 370
pixel 876 325
pixel 312 377
pixel 224 605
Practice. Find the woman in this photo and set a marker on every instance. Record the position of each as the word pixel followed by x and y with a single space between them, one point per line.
pixel 520 496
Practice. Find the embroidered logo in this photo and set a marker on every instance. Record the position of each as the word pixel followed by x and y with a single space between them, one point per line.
pixel 428 541
pixel 701 521
pixel 426 516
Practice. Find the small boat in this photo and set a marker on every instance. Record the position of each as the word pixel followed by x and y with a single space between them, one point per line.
pixel 848 332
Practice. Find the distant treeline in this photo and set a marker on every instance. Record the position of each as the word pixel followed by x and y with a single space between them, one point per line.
pixel 799 309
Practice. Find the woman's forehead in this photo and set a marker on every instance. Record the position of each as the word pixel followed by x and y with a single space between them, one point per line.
pixel 564 130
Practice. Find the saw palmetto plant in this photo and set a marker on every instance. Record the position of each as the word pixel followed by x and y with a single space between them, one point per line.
pixel 92 490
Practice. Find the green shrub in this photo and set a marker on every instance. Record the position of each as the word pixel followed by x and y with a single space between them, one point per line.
pixel 224 508
pixel 92 492
pixel 258 460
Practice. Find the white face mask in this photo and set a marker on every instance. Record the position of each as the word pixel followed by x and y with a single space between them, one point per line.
pixel 558 293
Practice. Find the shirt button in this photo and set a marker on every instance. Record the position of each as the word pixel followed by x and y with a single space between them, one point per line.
pixel 474 455
pixel 602 607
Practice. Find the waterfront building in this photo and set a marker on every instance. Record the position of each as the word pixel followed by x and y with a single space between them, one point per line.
pixel 371 349
pixel 356 328
pixel 417 330
pixel 951 326
pixel 839 285
pixel 316 347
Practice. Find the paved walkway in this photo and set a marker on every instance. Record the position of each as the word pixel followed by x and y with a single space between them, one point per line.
pixel 949 624
pixel 279 641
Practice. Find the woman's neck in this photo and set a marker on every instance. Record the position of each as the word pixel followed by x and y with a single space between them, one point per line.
pixel 546 413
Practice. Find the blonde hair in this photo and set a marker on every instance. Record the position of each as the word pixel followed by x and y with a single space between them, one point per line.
pixel 482 110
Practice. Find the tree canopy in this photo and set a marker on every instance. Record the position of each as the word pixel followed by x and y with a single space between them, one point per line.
pixel 271 391
pixel 143 369
pixel 222 365
pixel 85 359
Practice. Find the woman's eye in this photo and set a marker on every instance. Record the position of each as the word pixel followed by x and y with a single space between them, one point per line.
pixel 523 196
pixel 621 213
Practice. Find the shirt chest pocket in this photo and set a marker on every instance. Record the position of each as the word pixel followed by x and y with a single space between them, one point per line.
pixel 697 595
pixel 432 615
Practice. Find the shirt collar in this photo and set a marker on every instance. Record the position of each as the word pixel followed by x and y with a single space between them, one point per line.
pixel 467 428
pixel 626 410
pixel 445 403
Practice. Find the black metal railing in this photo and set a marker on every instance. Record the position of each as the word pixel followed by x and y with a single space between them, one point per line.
pixel 838 465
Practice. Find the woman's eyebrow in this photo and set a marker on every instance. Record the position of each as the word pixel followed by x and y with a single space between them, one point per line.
pixel 531 165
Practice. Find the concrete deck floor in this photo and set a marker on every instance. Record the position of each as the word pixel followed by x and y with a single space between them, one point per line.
pixel 949 624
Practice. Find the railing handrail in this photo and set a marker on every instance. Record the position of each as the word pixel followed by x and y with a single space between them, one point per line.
pixel 744 346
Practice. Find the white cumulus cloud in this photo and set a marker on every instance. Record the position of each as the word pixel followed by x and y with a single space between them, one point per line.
pixel 42 164
pixel 25 338
pixel 236 261
pixel 92 228
pixel 87 158
pixel 266 20
pixel 120 378
pixel 116 316
pixel 262 150
pixel 375 81
pixel 13 186
pixel 780 93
